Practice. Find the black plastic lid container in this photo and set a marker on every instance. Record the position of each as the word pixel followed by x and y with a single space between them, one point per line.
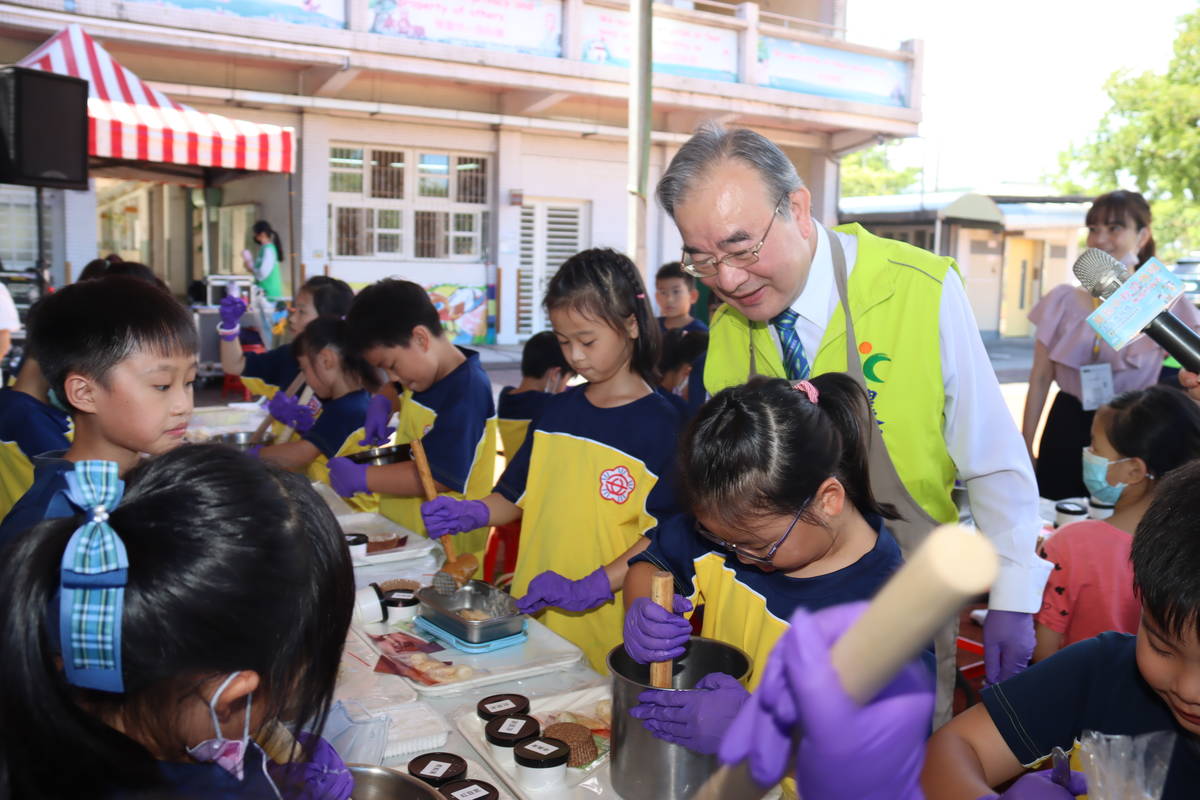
pixel 438 769
pixel 469 790
pixel 510 731
pixel 542 753
pixel 501 705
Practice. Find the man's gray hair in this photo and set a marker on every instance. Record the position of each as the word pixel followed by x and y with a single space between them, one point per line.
pixel 711 144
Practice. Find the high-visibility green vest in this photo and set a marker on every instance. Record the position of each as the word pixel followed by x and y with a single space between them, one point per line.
pixel 895 293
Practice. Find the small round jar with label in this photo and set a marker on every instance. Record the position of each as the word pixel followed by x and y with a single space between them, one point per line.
pixel 505 733
pixel 357 542
pixel 542 763
pixel 438 769
pixel 469 790
pixel 501 705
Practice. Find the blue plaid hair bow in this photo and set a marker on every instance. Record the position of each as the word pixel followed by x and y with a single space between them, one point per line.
pixel 94 572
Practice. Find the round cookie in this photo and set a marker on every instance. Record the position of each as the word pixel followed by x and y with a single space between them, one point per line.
pixel 578 739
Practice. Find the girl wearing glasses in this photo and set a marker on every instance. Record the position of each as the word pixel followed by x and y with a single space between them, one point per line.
pixel 775 474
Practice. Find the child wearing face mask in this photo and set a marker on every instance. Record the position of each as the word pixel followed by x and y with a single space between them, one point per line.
pixel 775 476
pixel 1137 439
pixel 142 643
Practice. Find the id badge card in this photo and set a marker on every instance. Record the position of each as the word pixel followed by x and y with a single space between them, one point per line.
pixel 1096 381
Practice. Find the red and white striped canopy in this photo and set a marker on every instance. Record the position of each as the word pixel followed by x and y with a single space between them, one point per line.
pixel 128 119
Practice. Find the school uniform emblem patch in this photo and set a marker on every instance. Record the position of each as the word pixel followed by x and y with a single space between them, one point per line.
pixel 616 484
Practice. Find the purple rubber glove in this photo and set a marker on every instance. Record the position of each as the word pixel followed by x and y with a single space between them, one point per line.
pixel 1039 786
pixel 445 515
pixel 1008 641
pixel 654 634
pixel 291 412
pixel 347 478
pixel 375 426
pixel 551 590
pixel 324 776
pixel 848 751
pixel 696 718
pixel 231 310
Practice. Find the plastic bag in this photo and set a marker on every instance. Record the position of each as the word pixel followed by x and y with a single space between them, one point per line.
pixel 359 736
pixel 1126 767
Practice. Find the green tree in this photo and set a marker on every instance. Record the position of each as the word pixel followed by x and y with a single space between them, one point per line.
pixel 1150 138
pixel 870 172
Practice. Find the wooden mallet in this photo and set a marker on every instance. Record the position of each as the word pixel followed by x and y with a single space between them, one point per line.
pixel 457 570
pixel 662 592
pixel 952 566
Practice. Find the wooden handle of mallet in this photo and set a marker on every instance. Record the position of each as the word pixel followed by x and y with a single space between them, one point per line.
pixel 427 486
pixel 662 592
pixel 286 433
pixel 266 423
pixel 952 566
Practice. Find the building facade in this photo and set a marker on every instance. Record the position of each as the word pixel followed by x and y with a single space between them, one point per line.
pixel 469 145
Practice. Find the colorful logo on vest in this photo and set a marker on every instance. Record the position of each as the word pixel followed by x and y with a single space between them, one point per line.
pixel 616 484
pixel 873 363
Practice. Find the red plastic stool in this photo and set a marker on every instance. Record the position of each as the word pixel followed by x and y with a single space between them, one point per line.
pixel 501 550
pixel 974 670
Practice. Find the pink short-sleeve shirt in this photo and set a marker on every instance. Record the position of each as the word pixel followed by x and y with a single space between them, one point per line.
pixel 1061 320
pixel 1090 589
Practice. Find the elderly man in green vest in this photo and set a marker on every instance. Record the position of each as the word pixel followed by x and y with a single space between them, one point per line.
pixel 748 233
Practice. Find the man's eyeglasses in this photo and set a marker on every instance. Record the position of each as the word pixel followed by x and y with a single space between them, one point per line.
pixel 741 552
pixel 708 267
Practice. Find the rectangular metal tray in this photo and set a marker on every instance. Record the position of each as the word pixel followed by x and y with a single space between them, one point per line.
pixel 477 595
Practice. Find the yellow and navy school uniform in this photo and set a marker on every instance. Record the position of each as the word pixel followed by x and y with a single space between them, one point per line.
pixel 28 428
pixel 455 419
pixel 336 432
pixel 514 412
pixel 590 482
pixel 694 326
pixel 749 608
pixel 46 498
pixel 267 373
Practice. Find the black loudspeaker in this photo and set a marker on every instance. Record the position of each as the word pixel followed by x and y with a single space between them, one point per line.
pixel 43 129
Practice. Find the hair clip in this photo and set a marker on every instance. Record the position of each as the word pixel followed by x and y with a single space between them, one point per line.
pixel 809 390
pixel 93 575
pixel 640 296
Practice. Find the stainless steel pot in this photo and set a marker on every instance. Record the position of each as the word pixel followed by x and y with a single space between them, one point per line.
pixel 647 768
pixel 381 783
pixel 242 440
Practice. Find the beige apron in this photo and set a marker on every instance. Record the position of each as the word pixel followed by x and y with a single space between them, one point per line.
pixel 914 523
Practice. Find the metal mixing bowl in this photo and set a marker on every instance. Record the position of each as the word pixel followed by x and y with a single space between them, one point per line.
pixel 380 456
pixel 381 783
pixel 238 441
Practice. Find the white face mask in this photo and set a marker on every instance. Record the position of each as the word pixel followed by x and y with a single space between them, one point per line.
pixel 229 754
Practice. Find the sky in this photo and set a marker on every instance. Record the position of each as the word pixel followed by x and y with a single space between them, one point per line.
pixel 1008 85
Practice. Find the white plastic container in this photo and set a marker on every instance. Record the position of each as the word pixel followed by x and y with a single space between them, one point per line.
pixel 542 764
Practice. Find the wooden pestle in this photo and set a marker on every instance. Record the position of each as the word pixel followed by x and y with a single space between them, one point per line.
pixel 460 569
pixel 261 432
pixel 952 566
pixel 662 593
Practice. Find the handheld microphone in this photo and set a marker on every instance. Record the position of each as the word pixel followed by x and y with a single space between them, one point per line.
pixel 1102 275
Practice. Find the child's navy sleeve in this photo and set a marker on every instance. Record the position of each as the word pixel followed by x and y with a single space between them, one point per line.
pixel 277 367
pixel 512 482
pixel 330 430
pixel 674 547
pixel 1051 702
pixel 453 441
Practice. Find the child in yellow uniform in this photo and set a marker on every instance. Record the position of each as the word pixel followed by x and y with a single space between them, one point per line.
pixel 776 476
pixel 592 478
pixel 447 404
pixel 341 380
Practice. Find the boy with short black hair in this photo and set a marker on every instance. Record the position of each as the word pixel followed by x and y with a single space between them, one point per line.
pixel 544 373
pixel 120 355
pixel 1114 683
pixel 446 403
pixel 675 291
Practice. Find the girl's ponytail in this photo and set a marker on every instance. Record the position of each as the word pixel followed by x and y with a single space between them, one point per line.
pixel 763 448
pixel 332 332
pixel 605 284
pixel 845 404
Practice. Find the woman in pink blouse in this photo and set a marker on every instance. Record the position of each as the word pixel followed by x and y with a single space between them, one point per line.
pixel 1119 224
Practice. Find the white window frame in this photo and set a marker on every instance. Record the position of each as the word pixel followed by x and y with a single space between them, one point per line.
pixel 412 203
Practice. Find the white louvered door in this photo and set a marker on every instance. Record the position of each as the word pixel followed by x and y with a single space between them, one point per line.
pixel 551 232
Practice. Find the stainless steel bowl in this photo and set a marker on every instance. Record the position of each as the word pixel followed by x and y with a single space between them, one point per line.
pixel 442 610
pixel 381 783
pixel 238 441
pixel 381 456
